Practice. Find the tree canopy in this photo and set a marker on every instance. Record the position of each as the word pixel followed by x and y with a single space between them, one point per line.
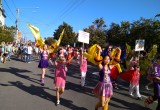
pixel 7 34
pixel 68 36
pixel 115 34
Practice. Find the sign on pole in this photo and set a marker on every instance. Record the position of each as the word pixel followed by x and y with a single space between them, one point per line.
pixel 139 45
pixel 83 37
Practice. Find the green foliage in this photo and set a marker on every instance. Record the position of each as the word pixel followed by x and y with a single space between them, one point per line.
pixel 7 34
pixel 68 36
pixel 97 32
pixel 144 65
pixel 127 32
pixel 116 34
pixel 49 40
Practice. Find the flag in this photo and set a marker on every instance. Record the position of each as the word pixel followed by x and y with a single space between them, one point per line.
pixel 92 54
pixel 54 46
pixel 153 52
pixel 60 38
pixel 36 34
pixel 114 72
pixel 128 47
pixel 128 75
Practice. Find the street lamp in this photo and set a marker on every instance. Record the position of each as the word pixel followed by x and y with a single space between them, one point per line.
pixel 18 34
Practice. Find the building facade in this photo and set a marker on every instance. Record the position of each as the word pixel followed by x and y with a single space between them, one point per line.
pixel 2 15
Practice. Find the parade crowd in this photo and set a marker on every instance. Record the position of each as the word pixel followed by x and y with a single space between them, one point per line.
pixel 113 62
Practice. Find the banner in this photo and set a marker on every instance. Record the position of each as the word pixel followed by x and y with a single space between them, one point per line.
pixel 139 45
pixel 83 37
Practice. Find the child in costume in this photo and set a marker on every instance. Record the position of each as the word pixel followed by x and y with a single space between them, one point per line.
pixel 60 76
pixel 43 63
pixel 156 82
pixel 156 85
pixel 134 61
pixel 150 72
pixel 134 83
pixel 83 68
pixel 69 55
pixel 115 60
pixel 104 89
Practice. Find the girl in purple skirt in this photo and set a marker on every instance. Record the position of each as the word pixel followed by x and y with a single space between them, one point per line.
pixel 156 85
pixel 104 89
pixel 43 64
pixel 156 82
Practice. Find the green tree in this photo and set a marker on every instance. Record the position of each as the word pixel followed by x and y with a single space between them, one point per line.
pixel 68 36
pixel 49 40
pixel 97 32
pixel 7 34
pixel 146 29
pixel 124 32
pixel 113 34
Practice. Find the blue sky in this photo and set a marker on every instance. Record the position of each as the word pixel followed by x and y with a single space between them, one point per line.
pixel 77 13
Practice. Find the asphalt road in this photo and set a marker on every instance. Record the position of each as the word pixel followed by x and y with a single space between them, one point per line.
pixel 20 89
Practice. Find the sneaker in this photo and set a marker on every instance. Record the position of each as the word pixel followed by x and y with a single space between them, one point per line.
pixel 146 87
pixel 131 95
pixel 115 87
pixel 139 98
pixel 58 102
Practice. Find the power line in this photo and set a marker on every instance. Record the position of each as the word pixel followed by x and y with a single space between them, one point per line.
pixel 74 8
pixel 10 18
pixel 9 8
pixel 14 4
pixel 65 11
pixel 69 9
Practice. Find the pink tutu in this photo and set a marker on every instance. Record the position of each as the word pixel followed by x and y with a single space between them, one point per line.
pixel 103 89
pixel 60 76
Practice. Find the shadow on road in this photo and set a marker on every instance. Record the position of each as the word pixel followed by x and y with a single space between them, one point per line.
pixel 40 92
pixel 128 105
pixel 20 73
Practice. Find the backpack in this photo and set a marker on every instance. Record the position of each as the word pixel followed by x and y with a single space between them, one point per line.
pixel 25 50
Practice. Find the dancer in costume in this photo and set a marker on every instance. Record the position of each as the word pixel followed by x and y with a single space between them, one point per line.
pixel 69 56
pixel 156 84
pixel 83 68
pixel 150 72
pixel 104 89
pixel 134 61
pixel 43 63
pixel 123 58
pixel 60 76
pixel 115 60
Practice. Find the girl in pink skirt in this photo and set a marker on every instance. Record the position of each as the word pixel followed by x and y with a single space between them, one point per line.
pixel 83 68
pixel 104 89
pixel 60 76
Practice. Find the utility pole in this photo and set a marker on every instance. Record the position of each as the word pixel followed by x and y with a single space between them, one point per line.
pixel 17 17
